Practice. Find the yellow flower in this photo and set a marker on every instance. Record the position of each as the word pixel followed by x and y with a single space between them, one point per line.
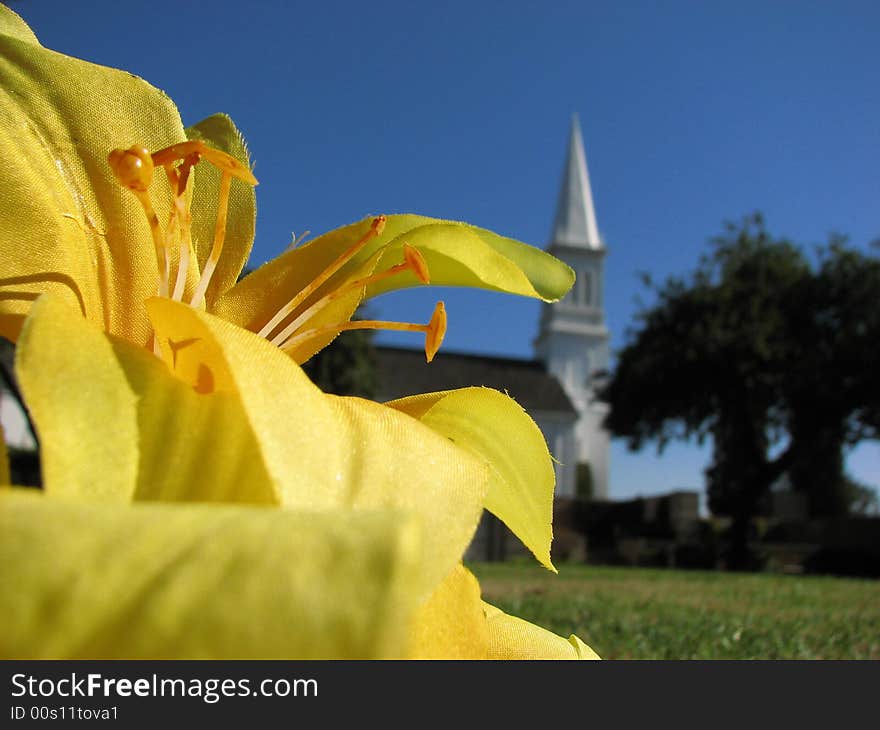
pixel 94 580
pixel 379 502
pixel 119 427
pixel 186 231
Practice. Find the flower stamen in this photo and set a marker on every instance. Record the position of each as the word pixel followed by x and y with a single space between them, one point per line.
pixel 413 261
pixel 219 237
pixel 221 160
pixel 133 169
pixel 376 228
pixel 434 330
pixel 180 219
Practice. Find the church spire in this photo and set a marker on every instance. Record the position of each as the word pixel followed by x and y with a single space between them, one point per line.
pixel 575 223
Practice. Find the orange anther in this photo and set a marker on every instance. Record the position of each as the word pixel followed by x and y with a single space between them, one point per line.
pixel 227 163
pixel 416 263
pixel 196 149
pixel 133 167
pixel 178 151
pixel 435 331
pixel 377 225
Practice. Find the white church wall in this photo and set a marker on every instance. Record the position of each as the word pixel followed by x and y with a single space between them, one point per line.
pixel 559 433
pixel 594 444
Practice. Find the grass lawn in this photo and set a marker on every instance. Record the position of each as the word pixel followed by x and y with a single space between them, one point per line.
pixel 636 613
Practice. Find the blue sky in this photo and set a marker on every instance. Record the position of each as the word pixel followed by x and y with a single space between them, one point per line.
pixel 693 113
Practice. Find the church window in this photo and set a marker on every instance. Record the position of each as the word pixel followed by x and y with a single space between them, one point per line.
pixel 586 288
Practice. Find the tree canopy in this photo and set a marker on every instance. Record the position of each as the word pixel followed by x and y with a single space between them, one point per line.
pixel 771 355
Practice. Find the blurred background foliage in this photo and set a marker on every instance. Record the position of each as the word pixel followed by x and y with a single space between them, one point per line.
pixel 771 353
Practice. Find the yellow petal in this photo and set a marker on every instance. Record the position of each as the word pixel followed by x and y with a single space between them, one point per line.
pixel 78 396
pixel 68 226
pixel 219 132
pixel 583 651
pixel 497 429
pixel 460 254
pixel 451 623
pixel 513 638
pixel 321 451
pixel 337 311
pixel 457 254
pixel 100 581
pixel 13 26
pixel 117 424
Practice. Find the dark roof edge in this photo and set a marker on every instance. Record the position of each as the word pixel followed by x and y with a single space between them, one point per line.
pixel 468 355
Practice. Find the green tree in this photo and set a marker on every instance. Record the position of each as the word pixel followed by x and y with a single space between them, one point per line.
pixel 834 321
pixel 584 484
pixel 861 499
pixel 750 350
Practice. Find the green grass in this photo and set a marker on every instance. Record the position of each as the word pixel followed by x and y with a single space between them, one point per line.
pixel 635 613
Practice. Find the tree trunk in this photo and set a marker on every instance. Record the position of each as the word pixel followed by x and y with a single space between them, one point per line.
pixel 817 464
pixel 739 478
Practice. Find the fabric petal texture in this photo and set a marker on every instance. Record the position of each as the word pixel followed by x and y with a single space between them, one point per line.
pixel 513 638
pixel 451 623
pixel 82 408
pixel 220 132
pixel 75 230
pixel 104 581
pixel 236 421
pixel 324 451
pixel 496 428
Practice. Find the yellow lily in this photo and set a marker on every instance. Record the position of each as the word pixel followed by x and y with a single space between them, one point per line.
pixel 118 427
pixel 96 579
pixel 226 415
pixel 93 580
pixel 186 231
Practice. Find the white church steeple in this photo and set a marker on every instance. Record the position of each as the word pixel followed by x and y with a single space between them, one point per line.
pixel 575 223
pixel 573 339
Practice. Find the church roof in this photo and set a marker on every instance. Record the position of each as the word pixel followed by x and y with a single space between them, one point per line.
pixel 575 223
pixel 404 372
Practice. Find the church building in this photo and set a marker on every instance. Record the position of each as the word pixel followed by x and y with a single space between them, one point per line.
pixel 571 348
